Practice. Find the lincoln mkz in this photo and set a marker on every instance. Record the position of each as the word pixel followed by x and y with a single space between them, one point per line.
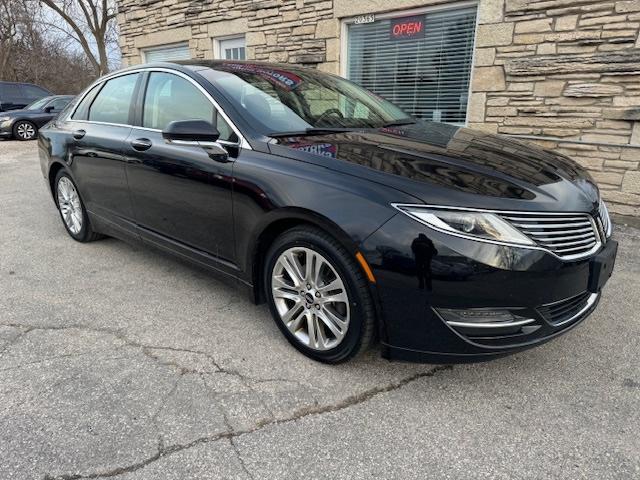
pixel 354 221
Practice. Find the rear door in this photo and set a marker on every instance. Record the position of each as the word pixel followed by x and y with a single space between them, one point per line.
pixel 179 193
pixel 101 124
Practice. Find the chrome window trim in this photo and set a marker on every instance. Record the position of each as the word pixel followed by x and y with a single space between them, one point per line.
pixel 242 142
pixel 568 258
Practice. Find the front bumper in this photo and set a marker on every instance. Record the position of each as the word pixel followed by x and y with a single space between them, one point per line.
pixel 6 129
pixel 414 285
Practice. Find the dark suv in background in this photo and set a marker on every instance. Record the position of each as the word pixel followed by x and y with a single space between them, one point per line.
pixel 14 96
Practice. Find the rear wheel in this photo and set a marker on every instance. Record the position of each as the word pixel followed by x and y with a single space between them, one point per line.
pixel 24 130
pixel 72 211
pixel 318 295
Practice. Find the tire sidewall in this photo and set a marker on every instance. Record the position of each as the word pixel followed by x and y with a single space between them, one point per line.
pixel 352 340
pixel 82 234
pixel 25 122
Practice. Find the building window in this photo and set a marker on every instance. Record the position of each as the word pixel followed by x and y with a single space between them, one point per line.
pixel 421 63
pixel 231 48
pixel 168 53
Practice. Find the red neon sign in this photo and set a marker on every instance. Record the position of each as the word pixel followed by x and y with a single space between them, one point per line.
pixel 408 27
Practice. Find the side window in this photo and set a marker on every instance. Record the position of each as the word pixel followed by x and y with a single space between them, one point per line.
pixel 114 100
pixel 31 91
pixel 58 104
pixel 171 98
pixel 82 112
pixel 11 93
pixel 226 133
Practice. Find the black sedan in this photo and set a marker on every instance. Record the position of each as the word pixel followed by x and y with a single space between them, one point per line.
pixel 351 219
pixel 24 124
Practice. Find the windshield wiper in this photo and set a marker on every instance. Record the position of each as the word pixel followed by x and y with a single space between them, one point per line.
pixel 309 131
pixel 399 123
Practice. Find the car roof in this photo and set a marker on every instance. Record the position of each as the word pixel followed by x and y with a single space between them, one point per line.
pixel 199 64
pixel 22 83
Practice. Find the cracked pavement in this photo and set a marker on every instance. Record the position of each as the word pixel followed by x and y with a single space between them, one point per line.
pixel 120 362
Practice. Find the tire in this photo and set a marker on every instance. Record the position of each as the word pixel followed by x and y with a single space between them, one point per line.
pixel 72 212
pixel 351 316
pixel 25 130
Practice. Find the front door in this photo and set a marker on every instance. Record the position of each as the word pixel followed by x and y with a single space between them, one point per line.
pixel 179 193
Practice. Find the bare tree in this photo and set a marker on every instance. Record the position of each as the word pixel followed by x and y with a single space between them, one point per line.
pixel 91 24
pixel 11 16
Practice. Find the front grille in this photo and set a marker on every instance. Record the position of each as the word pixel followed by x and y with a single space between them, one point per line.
pixel 569 236
pixel 566 310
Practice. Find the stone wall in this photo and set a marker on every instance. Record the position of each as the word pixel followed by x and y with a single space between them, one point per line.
pixel 567 73
pixel 296 31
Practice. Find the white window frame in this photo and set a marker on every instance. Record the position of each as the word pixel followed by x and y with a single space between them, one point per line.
pixel 156 48
pixel 344 34
pixel 217 44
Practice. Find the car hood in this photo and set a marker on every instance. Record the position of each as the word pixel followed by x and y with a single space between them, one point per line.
pixel 449 165
pixel 20 113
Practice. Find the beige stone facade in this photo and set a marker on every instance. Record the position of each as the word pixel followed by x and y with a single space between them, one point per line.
pixel 562 73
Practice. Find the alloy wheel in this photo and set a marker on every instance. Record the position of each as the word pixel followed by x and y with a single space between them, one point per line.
pixel 70 206
pixel 25 131
pixel 310 298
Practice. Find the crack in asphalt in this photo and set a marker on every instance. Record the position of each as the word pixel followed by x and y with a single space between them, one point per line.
pixel 230 435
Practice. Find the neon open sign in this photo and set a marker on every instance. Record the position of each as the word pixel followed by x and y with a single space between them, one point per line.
pixel 406 28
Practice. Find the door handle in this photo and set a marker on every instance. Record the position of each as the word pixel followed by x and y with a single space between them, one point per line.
pixel 141 144
pixel 79 134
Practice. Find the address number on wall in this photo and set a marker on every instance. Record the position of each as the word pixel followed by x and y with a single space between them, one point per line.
pixel 359 20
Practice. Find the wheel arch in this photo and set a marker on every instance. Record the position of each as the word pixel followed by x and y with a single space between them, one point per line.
pixel 53 172
pixel 277 223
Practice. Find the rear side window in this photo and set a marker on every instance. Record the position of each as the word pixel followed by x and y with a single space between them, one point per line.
pixel 32 91
pixel 10 92
pixel 113 103
pixel 170 98
pixel 82 112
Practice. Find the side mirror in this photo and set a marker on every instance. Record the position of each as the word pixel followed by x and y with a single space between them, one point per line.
pixel 48 109
pixel 197 133
pixel 192 131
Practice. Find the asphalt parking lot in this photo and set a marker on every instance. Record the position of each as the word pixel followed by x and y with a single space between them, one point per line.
pixel 120 362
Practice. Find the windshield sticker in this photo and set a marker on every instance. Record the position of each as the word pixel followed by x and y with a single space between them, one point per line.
pixel 280 78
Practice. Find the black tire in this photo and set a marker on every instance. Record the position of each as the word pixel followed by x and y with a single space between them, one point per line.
pixel 360 332
pixel 86 232
pixel 21 129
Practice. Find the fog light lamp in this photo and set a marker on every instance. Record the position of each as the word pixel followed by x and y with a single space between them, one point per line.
pixel 482 318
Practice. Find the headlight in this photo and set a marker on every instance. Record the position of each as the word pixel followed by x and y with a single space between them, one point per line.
pixel 4 119
pixel 467 223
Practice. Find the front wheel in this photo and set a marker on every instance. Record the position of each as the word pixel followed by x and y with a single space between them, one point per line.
pixel 318 295
pixel 74 215
pixel 24 130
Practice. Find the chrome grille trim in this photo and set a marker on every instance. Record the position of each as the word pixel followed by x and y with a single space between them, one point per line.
pixel 568 236
pixel 605 219
pixel 567 310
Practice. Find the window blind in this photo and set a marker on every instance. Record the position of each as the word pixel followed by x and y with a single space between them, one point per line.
pixel 167 54
pixel 426 72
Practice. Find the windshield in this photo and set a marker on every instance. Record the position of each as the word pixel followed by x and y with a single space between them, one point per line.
pixel 38 104
pixel 278 100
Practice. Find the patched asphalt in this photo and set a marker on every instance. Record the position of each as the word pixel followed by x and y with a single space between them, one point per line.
pixel 121 362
